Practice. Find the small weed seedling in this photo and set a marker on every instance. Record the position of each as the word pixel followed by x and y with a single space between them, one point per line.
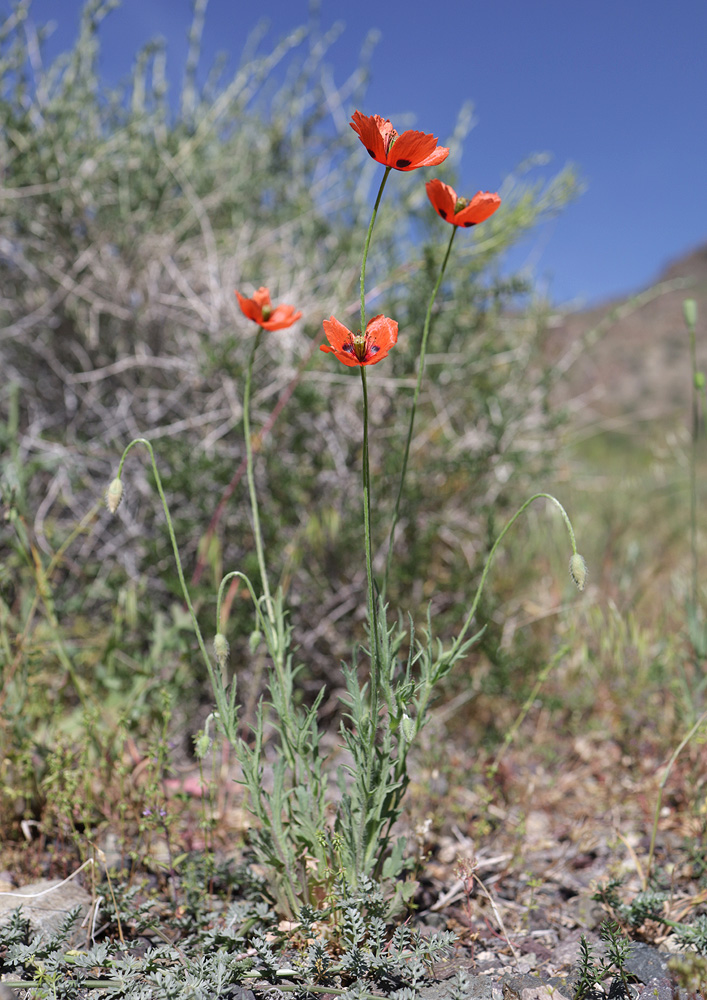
pixel 593 971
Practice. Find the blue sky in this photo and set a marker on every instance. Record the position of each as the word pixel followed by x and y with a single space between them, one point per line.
pixel 616 87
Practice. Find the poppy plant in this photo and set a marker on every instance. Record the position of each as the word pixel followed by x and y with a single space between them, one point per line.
pixel 406 151
pixel 360 349
pixel 260 310
pixel 461 211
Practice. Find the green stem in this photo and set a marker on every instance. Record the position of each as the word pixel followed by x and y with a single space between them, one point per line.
pixel 309 988
pixel 693 465
pixel 372 606
pixel 275 641
pixel 695 411
pixel 366 472
pixel 527 705
pixel 420 372
pixel 257 532
pixel 366 245
pixel 659 801
pixel 537 496
pixel 219 691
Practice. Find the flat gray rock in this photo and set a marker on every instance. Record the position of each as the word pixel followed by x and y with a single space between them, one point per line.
pixel 47 904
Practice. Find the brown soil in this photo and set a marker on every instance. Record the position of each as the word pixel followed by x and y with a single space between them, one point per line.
pixel 632 355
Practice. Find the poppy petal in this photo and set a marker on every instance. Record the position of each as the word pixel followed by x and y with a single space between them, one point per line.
pixel 250 308
pixel 381 335
pixel 277 319
pixel 341 340
pixel 372 131
pixel 443 198
pixel 480 208
pixel 405 152
pixel 280 318
pixel 416 149
pixel 262 298
pixel 336 333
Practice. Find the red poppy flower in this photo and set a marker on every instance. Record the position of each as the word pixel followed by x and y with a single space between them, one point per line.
pixel 360 349
pixel 461 211
pixel 260 310
pixel 404 152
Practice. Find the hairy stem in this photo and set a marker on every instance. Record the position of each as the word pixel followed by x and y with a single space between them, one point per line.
pixel 257 532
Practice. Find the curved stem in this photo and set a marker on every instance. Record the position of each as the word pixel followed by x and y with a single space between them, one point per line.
pixel 487 565
pixel 236 574
pixel 420 371
pixel 219 691
pixel 257 532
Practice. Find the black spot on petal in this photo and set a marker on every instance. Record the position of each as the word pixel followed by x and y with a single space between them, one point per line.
pixel 401 164
pixel 442 213
pixel 349 348
pixel 468 225
pixel 370 152
pixel 373 349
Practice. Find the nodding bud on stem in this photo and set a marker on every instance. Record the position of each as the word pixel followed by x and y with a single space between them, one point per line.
pixel 221 648
pixel 202 744
pixel 689 311
pixel 578 571
pixel 114 495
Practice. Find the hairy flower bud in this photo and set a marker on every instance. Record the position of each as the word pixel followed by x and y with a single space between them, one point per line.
pixel 689 311
pixel 408 727
pixel 202 744
pixel 221 648
pixel 254 640
pixel 114 494
pixel 578 571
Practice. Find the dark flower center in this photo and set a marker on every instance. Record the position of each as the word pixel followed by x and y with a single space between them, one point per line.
pixel 359 346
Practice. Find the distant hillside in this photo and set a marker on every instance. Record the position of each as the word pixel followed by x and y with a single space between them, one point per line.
pixel 631 356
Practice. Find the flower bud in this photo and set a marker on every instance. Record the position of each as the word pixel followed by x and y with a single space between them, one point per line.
pixel 407 726
pixel 578 571
pixel 689 311
pixel 699 380
pixel 114 494
pixel 221 648
pixel 202 744
pixel 254 640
